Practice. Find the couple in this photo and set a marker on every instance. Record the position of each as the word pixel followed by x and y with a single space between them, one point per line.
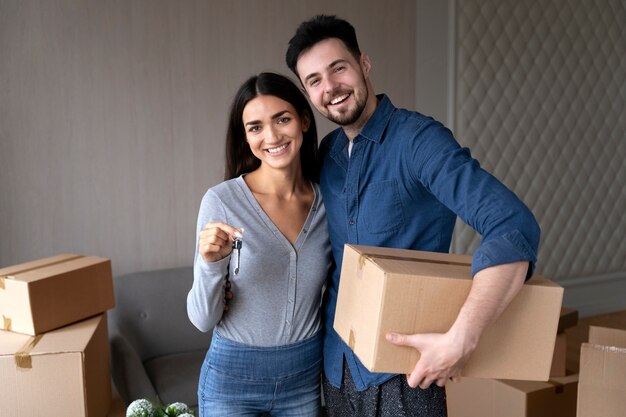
pixel 388 177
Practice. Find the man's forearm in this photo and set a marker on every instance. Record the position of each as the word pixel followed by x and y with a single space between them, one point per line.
pixel 492 291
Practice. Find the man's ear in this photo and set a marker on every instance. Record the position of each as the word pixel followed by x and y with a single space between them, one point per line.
pixel 366 64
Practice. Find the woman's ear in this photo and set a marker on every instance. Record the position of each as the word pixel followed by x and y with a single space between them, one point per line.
pixel 306 122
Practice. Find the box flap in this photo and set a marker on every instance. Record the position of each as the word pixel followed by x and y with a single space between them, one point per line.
pixel 12 271
pixel 409 254
pixel 71 338
pixel 607 336
pixel 56 268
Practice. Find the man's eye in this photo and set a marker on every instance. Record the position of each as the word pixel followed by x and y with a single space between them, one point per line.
pixel 313 83
pixel 339 69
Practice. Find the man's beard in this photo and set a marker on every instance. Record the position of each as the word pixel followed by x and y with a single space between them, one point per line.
pixel 350 117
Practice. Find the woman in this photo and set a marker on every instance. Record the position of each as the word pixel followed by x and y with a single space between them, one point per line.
pixel 265 355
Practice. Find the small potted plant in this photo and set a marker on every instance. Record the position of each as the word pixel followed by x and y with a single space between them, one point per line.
pixel 144 408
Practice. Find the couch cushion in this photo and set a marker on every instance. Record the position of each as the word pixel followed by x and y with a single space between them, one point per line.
pixel 151 304
pixel 176 376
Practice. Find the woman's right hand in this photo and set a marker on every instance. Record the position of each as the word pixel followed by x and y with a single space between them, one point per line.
pixel 215 241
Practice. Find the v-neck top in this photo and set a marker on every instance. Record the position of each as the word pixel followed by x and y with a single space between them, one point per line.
pixel 277 292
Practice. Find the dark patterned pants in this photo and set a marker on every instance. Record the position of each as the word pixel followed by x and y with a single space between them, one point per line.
pixel 393 398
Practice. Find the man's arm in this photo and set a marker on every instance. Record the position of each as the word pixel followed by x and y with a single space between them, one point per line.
pixel 443 356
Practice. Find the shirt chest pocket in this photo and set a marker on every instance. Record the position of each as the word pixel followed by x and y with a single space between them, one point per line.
pixel 380 208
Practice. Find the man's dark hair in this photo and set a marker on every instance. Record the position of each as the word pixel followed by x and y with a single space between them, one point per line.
pixel 317 29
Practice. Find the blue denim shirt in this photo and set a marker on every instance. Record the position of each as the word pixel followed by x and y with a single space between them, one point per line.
pixel 402 187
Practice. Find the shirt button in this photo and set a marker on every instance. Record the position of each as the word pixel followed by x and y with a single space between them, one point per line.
pixel 351 222
pixel 304 230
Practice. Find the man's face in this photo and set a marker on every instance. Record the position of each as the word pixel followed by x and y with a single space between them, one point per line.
pixel 334 80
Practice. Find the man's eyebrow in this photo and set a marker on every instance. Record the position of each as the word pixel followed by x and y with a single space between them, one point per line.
pixel 332 64
pixel 274 116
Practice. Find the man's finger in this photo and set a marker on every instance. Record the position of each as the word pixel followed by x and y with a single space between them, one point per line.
pixel 403 339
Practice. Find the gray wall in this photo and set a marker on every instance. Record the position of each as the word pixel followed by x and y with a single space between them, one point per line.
pixel 537 91
pixel 112 116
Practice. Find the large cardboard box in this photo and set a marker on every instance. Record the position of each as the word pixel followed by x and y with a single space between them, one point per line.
pixel 406 291
pixel 477 397
pixel 42 295
pixel 602 388
pixel 61 373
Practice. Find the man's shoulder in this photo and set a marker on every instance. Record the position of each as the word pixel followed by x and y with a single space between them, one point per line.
pixel 329 139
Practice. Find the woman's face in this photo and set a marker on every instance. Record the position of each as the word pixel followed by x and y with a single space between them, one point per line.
pixel 274 131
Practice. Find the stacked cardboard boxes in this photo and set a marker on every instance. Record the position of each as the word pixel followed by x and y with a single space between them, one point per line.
pixel 54 357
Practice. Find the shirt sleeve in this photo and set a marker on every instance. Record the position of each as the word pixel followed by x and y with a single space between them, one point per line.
pixel 509 230
pixel 205 301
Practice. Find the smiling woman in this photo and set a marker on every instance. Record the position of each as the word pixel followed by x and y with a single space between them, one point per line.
pixel 274 131
pixel 266 351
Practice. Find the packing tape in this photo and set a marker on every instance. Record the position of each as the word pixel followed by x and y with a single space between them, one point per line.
pixel 22 356
pixel 46 265
pixel 373 258
pixel 6 323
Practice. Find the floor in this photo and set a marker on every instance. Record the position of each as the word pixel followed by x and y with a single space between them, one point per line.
pixel 579 334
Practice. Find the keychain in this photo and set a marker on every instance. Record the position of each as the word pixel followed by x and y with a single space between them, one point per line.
pixel 237 243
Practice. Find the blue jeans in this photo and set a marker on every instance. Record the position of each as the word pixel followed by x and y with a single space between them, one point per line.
pixel 243 380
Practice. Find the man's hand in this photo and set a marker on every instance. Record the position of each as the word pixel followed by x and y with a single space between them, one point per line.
pixel 442 357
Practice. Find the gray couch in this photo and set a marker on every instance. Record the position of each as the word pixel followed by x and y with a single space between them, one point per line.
pixel 156 353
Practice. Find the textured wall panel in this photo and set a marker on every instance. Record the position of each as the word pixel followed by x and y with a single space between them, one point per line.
pixel 541 101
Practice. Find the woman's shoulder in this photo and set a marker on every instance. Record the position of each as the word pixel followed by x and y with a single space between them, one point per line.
pixel 225 188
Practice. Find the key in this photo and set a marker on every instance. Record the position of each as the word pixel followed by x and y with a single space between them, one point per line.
pixel 237 243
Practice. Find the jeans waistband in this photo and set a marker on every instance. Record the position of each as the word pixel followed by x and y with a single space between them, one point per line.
pixel 242 360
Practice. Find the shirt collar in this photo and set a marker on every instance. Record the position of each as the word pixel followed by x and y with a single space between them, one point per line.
pixel 373 129
pixel 377 123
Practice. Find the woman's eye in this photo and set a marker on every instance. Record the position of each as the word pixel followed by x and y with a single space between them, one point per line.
pixel 254 129
pixel 283 120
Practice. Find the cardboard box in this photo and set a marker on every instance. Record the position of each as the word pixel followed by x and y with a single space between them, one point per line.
pixel 602 388
pixel 42 295
pixel 559 358
pixel 61 373
pixel 476 397
pixel 406 291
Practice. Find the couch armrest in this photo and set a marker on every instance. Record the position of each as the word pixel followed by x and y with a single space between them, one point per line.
pixel 129 375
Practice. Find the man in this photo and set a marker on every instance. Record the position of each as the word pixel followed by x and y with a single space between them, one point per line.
pixel 395 178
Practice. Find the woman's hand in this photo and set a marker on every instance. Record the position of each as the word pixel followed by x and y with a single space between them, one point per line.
pixel 215 241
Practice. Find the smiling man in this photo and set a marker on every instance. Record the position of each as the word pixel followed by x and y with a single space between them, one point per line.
pixel 395 178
